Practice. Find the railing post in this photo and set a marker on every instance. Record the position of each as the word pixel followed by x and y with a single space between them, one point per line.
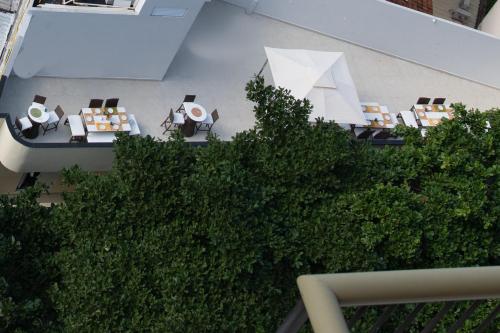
pixel 295 319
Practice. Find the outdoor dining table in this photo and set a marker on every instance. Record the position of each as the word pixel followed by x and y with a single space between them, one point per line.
pixel 102 120
pixel 378 117
pixel 37 113
pixel 195 113
pixel 432 115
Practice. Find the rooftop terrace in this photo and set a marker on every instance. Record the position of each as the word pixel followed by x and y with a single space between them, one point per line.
pixel 215 66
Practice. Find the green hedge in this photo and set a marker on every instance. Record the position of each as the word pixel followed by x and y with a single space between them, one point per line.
pixel 183 239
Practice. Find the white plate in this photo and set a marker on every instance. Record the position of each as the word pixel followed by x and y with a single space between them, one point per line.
pixel 110 110
pixel 97 111
pixel 102 126
pixel 115 127
pixel 124 117
pixel 88 118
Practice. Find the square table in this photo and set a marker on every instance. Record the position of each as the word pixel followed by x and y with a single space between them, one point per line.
pixel 378 117
pixel 432 115
pixel 106 119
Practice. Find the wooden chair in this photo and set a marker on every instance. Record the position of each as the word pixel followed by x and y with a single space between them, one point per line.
pixel 423 100
pixel 174 119
pixel 23 124
pixel 207 124
pixel 96 103
pixel 382 135
pixel 187 99
pixel 54 119
pixel 362 133
pixel 439 101
pixel 39 99
pixel 111 103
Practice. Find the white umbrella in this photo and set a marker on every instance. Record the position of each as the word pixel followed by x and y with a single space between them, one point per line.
pixel 321 77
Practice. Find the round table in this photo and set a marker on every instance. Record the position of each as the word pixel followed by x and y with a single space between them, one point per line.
pixel 195 113
pixel 36 119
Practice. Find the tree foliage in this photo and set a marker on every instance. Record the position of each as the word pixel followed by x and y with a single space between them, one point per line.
pixel 177 238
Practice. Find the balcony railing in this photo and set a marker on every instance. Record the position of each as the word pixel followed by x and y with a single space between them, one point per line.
pixel 324 296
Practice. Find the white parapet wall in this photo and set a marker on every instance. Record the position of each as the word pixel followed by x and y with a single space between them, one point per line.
pixel 394 30
pixel 21 157
pixel 85 42
pixel 491 22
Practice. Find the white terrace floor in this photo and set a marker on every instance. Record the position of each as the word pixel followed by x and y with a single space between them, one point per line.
pixel 215 65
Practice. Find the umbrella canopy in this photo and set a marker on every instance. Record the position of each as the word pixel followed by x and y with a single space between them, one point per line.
pixel 321 77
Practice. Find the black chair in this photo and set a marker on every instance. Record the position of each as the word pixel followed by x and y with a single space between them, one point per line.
pixel 174 119
pixel 439 101
pixel 23 125
pixel 54 120
pixel 382 135
pixel 423 100
pixel 365 135
pixel 96 103
pixel 187 99
pixel 39 99
pixel 208 123
pixel 111 103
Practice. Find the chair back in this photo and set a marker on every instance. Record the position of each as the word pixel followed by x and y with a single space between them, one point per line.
pixel 96 103
pixel 39 99
pixel 215 115
pixel 189 98
pixel 18 124
pixel 59 111
pixel 439 101
pixel 111 103
pixel 423 100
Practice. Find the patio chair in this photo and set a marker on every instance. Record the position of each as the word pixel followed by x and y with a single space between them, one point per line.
pixel 174 119
pixel 439 101
pixel 54 119
pixel 23 125
pixel 96 103
pixel 134 127
pixel 111 103
pixel 187 99
pixel 382 135
pixel 362 133
pixel 39 99
pixel 207 124
pixel 423 100
pixel 76 126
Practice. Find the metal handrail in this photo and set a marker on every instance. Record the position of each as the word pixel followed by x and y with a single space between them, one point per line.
pixel 324 295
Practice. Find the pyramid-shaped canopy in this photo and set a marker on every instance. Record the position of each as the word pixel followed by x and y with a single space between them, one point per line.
pixel 321 77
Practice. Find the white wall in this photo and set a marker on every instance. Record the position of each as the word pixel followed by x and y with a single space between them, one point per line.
pixel 491 22
pixel 395 30
pixel 70 43
pixel 20 158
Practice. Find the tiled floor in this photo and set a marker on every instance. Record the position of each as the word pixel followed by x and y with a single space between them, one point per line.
pixel 214 65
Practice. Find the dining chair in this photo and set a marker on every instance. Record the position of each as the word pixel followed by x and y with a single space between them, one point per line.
pixel 383 134
pixel 96 103
pixel 208 123
pixel 23 124
pixel 54 119
pixel 187 99
pixel 423 100
pixel 362 133
pixel 111 103
pixel 174 119
pixel 439 101
pixel 39 99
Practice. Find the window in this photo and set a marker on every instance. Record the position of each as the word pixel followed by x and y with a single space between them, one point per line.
pixel 169 12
